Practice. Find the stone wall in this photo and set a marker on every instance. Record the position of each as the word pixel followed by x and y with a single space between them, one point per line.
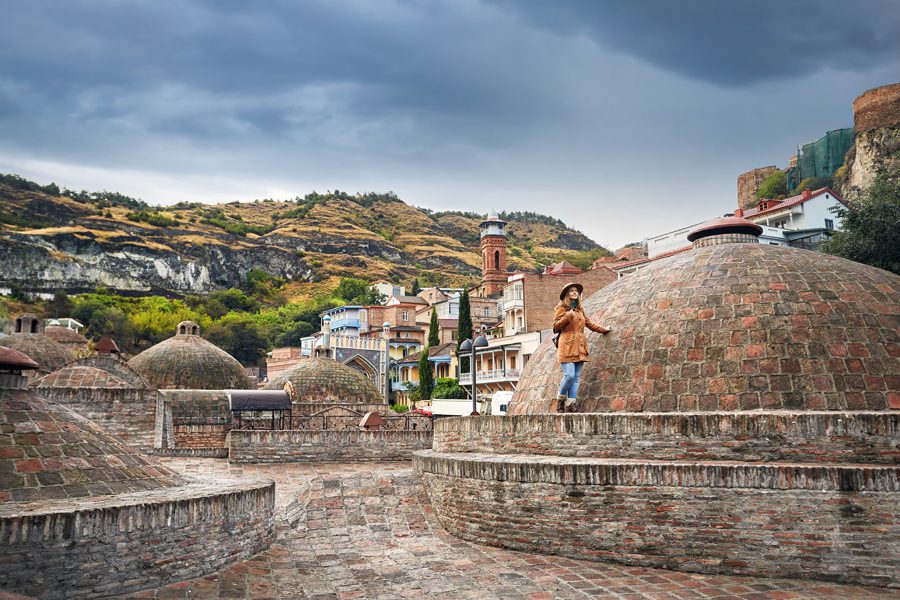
pixel 774 520
pixel 748 183
pixel 119 544
pixel 876 108
pixel 325 446
pixel 127 413
pixel 815 437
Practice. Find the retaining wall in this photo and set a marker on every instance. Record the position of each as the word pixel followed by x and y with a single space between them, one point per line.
pixel 325 446
pixel 118 544
pixel 836 523
pixel 126 413
pixel 846 437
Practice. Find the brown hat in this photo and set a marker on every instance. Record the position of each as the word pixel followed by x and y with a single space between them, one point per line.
pixel 562 294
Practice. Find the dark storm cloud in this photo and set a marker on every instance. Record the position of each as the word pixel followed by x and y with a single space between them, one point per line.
pixel 731 42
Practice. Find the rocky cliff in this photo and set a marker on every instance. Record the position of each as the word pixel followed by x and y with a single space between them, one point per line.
pixel 50 241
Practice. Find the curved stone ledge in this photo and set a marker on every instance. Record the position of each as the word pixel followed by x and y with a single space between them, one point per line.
pixel 736 518
pixel 842 437
pixel 66 548
pixel 345 445
pixel 524 468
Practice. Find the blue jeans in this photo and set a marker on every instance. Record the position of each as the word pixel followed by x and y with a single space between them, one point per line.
pixel 571 376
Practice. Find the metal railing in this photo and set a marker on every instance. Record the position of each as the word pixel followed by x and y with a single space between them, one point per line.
pixel 491 375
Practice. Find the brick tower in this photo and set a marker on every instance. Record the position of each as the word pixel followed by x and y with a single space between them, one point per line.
pixel 493 255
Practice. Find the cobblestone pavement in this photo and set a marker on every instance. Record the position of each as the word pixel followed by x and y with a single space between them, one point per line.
pixel 369 533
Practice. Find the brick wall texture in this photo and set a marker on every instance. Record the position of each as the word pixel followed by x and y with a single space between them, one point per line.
pixel 735 327
pixel 325 446
pixel 193 419
pixel 777 520
pixel 876 108
pixel 542 293
pixel 814 437
pixel 112 546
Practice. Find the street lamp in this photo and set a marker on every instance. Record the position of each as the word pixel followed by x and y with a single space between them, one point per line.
pixel 468 346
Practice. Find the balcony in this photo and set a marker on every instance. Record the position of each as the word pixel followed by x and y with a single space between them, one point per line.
pixel 344 323
pixel 491 375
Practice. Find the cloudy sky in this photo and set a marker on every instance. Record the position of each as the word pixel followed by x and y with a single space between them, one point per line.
pixel 623 118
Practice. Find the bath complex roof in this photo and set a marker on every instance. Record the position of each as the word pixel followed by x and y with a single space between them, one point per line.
pixel 736 326
pixel 187 361
pixel 48 353
pixel 323 380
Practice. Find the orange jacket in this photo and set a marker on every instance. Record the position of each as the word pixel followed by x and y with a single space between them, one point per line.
pixel 570 324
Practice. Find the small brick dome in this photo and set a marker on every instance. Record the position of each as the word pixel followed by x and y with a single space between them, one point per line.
pixel 48 353
pixel 65 336
pixel 735 327
pixel 79 376
pixel 323 381
pixel 188 362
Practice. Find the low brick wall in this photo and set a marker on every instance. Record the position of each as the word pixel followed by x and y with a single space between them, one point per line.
pixel 102 547
pixel 837 523
pixel 845 437
pixel 325 446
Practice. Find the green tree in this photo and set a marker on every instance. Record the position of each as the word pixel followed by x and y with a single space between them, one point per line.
pixel 60 305
pixel 415 289
pixel 464 328
pixel 240 337
pixel 426 378
pixel 352 290
pixel 448 387
pixel 434 332
pixel 773 186
pixel 870 233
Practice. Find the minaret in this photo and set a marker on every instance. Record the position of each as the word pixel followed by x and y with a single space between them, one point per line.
pixel 493 254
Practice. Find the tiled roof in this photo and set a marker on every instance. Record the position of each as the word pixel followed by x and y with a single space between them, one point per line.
pixel 789 202
pixel 441 350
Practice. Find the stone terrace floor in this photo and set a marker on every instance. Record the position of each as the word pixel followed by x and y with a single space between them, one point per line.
pixel 369 532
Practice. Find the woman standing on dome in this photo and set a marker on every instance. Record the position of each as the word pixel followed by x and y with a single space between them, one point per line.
pixel 569 322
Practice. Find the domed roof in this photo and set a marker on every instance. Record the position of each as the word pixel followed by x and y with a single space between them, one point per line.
pixel 78 376
pixel 59 454
pixel 64 335
pixel 323 380
pixel 48 353
pixel 13 359
pixel 736 326
pixel 187 361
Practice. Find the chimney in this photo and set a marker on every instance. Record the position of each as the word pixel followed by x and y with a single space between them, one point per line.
pixel 739 213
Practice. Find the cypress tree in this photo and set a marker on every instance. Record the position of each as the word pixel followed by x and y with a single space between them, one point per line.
pixel 464 329
pixel 426 380
pixel 434 336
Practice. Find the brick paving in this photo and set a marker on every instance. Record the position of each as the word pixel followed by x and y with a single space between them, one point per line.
pixel 369 532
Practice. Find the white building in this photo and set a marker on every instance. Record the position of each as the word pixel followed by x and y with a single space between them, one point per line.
pixel 499 365
pixel 800 221
pixel 389 289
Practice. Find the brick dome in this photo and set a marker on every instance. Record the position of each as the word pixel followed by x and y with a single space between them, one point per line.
pixel 65 336
pixel 187 361
pixel 736 326
pixel 79 376
pixel 326 381
pixel 48 353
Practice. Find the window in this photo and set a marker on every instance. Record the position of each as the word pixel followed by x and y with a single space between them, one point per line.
pixel 487 311
pixel 404 316
pixel 829 224
pixel 496 260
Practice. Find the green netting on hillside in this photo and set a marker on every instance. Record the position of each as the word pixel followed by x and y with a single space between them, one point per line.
pixel 822 157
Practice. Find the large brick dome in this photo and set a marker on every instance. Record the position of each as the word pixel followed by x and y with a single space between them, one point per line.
pixel 326 381
pixel 187 361
pixel 736 326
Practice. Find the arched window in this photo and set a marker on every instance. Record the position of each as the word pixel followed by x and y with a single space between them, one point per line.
pixel 496 260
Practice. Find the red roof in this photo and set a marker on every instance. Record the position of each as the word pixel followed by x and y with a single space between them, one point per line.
pixel 13 359
pixel 562 268
pixel 789 202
